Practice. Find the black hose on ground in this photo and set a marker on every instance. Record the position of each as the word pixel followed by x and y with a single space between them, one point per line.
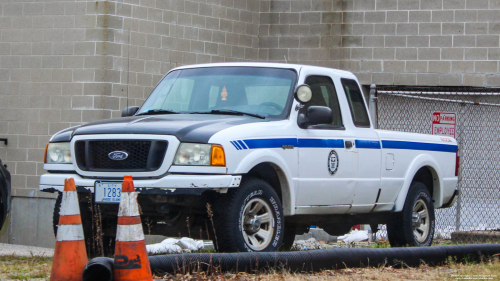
pixel 99 269
pixel 308 261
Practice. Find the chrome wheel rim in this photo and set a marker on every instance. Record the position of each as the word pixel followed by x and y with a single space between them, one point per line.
pixel 257 224
pixel 420 220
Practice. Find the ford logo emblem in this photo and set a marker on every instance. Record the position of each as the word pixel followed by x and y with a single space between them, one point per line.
pixel 118 155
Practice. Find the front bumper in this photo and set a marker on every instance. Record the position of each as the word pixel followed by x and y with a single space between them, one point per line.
pixel 168 184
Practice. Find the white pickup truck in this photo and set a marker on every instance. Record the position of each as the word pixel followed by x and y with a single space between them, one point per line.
pixel 266 149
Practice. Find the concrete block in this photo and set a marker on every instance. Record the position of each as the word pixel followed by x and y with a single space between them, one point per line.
pixel 371 66
pixel 408 4
pixel 416 66
pixel 310 17
pixel 395 41
pixel 492 80
pixel 362 53
pixel 443 16
pixel 364 5
pixel 453 4
pixel 464 41
pixel 384 53
pixel 385 29
pixel 476 28
pixel 405 79
pixel 352 41
pixel 362 29
pixel 450 80
pixel 331 17
pixel 465 15
pixel 407 29
pixel 430 28
pixel 494 54
pixel 353 17
pixel 394 66
pixel 386 5
pixel 441 41
pixel 418 41
pixel 296 6
pixel 487 41
pixel 486 66
pixel 294 18
pixel 383 78
pixel 476 53
pixel 420 16
pixel 406 54
pixel 397 16
pixel 324 5
pixel 375 17
pixel 462 66
pixel 475 80
pixel 453 28
pixel 476 4
pixel 373 41
pixel 452 53
pixel 428 79
pixel 439 66
pixel 429 54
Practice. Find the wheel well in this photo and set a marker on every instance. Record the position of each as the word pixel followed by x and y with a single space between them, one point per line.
pixel 267 172
pixel 425 176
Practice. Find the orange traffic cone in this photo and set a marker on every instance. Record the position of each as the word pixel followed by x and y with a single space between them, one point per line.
pixel 131 258
pixel 70 255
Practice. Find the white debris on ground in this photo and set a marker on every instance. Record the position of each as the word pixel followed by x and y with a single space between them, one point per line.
pixel 354 236
pixel 174 246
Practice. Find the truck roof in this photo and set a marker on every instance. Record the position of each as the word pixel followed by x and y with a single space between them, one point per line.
pixel 296 67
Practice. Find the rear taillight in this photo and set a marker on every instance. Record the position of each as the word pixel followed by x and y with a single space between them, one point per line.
pixel 457 164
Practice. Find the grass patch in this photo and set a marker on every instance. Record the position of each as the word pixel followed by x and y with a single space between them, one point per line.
pixel 25 268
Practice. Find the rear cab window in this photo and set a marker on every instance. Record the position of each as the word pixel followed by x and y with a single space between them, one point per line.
pixel 356 104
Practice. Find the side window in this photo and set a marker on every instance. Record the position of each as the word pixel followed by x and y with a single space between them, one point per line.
pixel 179 95
pixel 324 94
pixel 356 104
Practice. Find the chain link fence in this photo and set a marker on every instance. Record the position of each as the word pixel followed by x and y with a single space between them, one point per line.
pixel 475 218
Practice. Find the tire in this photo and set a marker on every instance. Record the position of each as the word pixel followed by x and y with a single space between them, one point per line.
pixel 95 242
pixel 255 201
pixel 407 229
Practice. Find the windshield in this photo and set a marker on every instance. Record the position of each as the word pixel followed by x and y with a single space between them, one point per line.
pixel 259 91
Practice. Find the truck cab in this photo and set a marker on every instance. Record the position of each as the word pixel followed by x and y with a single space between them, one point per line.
pixel 251 154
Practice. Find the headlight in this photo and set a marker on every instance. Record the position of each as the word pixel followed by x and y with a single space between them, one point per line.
pixel 58 153
pixel 200 155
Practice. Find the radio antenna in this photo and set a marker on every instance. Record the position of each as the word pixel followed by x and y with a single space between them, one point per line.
pixel 285 58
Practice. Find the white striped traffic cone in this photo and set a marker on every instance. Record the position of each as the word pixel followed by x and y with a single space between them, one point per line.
pixel 70 255
pixel 131 258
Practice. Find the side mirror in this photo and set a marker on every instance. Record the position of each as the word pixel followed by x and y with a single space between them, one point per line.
pixel 129 111
pixel 303 94
pixel 315 115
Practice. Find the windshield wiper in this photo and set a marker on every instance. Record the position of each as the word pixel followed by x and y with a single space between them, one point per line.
pixel 229 112
pixel 157 111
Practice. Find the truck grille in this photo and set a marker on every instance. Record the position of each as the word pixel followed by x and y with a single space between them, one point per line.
pixel 143 155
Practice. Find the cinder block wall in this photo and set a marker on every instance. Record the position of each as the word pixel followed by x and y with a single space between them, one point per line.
pixel 403 42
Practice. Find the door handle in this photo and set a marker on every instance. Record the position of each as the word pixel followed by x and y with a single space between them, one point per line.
pixel 348 144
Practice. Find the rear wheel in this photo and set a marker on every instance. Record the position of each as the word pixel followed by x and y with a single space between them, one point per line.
pixel 249 218
pixel 414 226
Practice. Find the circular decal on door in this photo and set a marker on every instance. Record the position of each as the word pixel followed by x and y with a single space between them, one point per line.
pixel 333 162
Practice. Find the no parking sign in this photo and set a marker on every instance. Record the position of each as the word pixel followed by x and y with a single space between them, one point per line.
pixel 444 123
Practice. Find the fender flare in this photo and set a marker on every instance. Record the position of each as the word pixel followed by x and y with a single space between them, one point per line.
pixel 423 160
pixel 260 156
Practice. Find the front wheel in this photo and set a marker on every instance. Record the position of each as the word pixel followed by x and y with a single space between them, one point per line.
pixel 249 219
pixel 414 226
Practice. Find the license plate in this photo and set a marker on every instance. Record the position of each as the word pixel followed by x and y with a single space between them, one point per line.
pixel 107 192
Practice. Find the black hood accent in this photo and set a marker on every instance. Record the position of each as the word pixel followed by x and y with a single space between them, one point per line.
pixel 198 128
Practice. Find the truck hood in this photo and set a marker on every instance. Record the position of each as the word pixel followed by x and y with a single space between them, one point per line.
pixel 197 128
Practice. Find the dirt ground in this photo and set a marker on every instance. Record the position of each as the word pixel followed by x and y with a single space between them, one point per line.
pixel 38 268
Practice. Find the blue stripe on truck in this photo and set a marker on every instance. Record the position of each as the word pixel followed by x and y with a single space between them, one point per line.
pixel 368 144
pixel 339 143
pixel 419 146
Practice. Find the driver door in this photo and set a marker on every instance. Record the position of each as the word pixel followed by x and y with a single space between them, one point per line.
pixel 327 156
